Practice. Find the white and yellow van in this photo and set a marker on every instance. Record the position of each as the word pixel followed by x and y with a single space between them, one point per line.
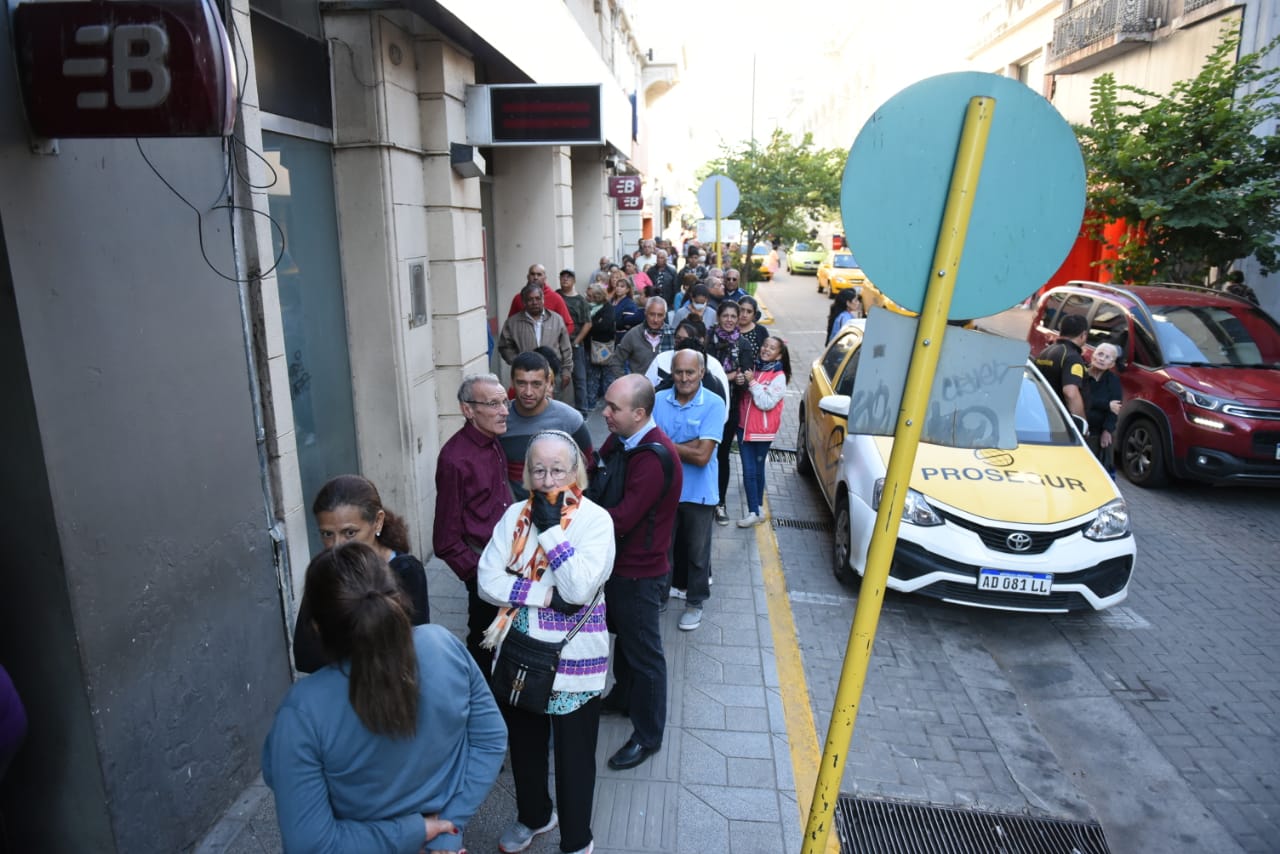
pixel 1041 527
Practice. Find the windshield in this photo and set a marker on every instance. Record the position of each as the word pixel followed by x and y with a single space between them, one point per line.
pixel 844 261
pixel 1037 419
pixel 760 249
pixel 1228 336
pixel 804 247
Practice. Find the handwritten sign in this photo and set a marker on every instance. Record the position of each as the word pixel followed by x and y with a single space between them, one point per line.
pixel 974 393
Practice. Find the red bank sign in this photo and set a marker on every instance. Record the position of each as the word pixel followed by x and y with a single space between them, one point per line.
pixel 122 69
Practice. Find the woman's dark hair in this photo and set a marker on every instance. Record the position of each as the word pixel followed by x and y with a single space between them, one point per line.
pixel 840 303
pixel 352 490
pixel 751 301
pixel 724 306
pixel 362 616
pixel 696 334
pixel 688 279
pixel 552 357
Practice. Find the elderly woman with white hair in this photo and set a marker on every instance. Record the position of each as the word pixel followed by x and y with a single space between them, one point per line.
pixel 1103 396
pixel 545 567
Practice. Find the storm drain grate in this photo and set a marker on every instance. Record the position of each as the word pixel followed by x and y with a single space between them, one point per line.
pixel 803 524
pixel 782 455
pixel 871 826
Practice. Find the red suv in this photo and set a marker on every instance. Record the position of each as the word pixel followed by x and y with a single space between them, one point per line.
pixel 1200 371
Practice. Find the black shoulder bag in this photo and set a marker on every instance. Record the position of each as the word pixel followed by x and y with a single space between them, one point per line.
pixel 526 667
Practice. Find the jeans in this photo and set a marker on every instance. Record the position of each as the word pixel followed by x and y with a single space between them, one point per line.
pixel 639 664
pixel 691 551
pixel 528 734
pixel 597 383
pixel 754 456
pixel 580 379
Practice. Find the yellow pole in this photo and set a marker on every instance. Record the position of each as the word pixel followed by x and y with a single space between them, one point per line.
pixel 915 398
pixel 719 259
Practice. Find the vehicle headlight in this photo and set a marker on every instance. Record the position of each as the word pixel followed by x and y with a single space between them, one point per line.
pixel 915 509
pixel 1112 522
pixel 1196 398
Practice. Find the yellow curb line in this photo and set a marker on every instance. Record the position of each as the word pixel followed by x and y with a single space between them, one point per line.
pixel 801 734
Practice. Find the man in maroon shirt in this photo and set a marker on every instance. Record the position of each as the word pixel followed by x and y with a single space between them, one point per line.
pixel 551 299
pixel 643 521
pixel 472 493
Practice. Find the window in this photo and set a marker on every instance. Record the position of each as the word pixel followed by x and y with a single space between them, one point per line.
pixel 1052 308
pixel 1110 325
pixel 845 384
pixel 835 354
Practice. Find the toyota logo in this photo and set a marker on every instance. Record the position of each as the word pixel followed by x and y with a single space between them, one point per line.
pixel 1018 541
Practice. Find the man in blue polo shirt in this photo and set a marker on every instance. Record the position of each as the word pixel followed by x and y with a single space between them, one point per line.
pixel 693 418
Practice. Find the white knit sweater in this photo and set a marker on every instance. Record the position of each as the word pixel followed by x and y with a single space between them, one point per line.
pixel 581 559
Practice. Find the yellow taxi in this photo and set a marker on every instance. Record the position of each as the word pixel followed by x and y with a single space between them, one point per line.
pixel 840 272
pixel 1040 527
pixel 873 297
pixel 760 258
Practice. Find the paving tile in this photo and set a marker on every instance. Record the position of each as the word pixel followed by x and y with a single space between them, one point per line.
pixel 739 802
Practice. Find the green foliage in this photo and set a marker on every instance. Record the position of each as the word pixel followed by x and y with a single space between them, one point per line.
pixel 783 185
pixel 1193 173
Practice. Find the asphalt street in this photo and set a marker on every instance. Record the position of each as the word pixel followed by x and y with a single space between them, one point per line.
pixel 1157 717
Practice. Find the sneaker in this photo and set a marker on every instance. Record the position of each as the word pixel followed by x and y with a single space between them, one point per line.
pixel 518 837
pixel 677 593
pixel 722 515
pixel 591 846
pixel 690 620
pixel 748 520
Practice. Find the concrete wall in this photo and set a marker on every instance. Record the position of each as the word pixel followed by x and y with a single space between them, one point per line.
pixel 156 519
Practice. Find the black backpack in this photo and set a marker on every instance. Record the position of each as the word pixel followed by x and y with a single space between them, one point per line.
pixel 609 480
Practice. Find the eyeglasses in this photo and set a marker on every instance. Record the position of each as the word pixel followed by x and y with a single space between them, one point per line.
pixel 492 405
pixel 543 474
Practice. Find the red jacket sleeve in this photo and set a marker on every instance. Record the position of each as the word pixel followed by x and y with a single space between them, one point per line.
pixel 447 534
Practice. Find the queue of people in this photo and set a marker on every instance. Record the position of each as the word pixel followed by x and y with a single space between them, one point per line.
pixel 394 741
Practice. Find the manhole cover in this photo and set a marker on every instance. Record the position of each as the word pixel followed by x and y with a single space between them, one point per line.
pixel 871 826
pixel 803 524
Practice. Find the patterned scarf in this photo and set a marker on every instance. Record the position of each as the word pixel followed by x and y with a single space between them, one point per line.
pixel 762 365
pixel 536 565
pixel 727 343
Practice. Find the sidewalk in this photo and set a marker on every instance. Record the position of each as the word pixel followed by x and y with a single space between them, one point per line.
pixel 723 781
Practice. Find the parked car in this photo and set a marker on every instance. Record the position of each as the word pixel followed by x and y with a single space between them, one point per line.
pixel 1041 527
pixel 805 257
pixel 1200 370
pixel 760 259
pixel 839 272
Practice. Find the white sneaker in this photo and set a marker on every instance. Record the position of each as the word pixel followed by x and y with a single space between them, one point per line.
pixel 677 593
pixel 518 837
pixel 748 520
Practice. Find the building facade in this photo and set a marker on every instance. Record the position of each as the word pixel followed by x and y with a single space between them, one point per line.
pixel 201 331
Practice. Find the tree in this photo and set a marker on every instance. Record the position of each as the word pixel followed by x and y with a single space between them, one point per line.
pixel 782 185
pixel 1193 174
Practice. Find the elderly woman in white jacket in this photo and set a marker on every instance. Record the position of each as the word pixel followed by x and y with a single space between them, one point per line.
pixel 548 560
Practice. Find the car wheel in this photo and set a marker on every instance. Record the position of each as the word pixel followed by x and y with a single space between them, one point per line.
pixel 842 565
pixel 819 286
pixel 804 466
pixel 1142 454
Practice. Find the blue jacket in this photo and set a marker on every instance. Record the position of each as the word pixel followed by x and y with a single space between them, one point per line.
pixel 340 788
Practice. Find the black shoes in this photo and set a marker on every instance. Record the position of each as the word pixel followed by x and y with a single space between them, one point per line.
pixel 630 755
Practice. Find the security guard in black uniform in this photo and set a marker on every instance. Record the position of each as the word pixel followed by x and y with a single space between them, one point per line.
pixel 1062 362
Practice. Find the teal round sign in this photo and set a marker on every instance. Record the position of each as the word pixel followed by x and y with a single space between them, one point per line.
pixel 1027 209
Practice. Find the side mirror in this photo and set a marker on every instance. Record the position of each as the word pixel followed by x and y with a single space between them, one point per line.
pixel 835 404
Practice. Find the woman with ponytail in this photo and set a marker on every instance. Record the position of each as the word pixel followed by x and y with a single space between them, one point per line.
pixel 395 745
pixel 348 508
pixel 546 565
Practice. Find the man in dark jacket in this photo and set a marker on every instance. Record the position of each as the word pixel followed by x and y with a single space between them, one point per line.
pixel 663 275
pixel 643 521
pixel 1062 363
